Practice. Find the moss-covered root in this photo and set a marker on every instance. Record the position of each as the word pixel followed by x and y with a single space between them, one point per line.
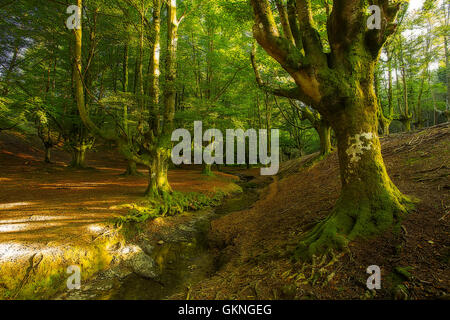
pixel 354 218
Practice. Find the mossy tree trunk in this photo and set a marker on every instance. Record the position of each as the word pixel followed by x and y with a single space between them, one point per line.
pixel 324 131
pixel 79 156
pixel 160 137
pixel 154 144
pixel 369 203
pixel 48 152
pixel 320 124
pixel 158 177
pixel 207 170
pixel 131 169
pixel 163 144
pixel 340 85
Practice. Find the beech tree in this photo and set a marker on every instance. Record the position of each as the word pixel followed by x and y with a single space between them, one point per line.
pixel 154 131
pixel 339 83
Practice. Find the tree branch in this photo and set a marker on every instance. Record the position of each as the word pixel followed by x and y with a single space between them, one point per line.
pixel 292 93
pixel 282 12
pixel 310 36
pixel 266 33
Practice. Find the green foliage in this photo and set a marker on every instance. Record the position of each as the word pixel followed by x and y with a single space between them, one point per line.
pixel 169 204
pixel 215 81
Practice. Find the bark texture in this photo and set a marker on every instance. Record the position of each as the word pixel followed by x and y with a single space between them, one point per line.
pixel 340 85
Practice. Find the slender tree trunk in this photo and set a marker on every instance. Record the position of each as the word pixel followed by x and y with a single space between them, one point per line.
pixel 419 103
pixel 79 152
pixel 159 182
pixel 324 131
pixel 207 170
pixel 406 119
pixel 154 72
pixel 12 64
pixel 384 121
pixel 48 150
pixel 447 66
pixel 390 95
pixel 125 68
pixel 131 169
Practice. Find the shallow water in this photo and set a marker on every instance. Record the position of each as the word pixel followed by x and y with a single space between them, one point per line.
pixel 183 262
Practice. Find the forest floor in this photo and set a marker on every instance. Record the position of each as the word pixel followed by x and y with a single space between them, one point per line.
pixel 51 202
pixel 46 207
pixel 255 246
pixel 52 210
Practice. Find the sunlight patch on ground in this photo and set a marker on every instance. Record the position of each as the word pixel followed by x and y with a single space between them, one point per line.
pixel 15 227
pixel 95 228
pixel 33 218
pixel 82 185
pixel 14 205
pixel 110 169
pixel 11 250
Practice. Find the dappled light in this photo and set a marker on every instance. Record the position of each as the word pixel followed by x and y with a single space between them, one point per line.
pixel 226 150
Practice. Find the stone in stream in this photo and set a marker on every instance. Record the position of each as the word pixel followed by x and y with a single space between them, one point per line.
pixel 146 247
pixel 141 264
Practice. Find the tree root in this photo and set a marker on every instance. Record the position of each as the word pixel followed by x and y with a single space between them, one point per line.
pixel 349 221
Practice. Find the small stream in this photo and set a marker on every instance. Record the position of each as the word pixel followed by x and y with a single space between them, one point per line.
pixel 184 260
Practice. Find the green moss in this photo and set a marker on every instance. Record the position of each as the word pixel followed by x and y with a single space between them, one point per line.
pixel 169 204
pixel 365 218
pixel 403 273
pixel 48 278
pixel 396 281
pixel 411 161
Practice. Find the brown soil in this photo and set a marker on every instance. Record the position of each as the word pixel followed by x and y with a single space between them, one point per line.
pixel 42 202
pixel 254 247
pixel 52 216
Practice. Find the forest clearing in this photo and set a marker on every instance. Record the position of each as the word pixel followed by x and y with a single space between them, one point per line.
pixel 224 150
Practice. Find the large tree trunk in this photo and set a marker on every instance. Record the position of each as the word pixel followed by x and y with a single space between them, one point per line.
pixel 160 140
pixel 340 85
pixel 369 203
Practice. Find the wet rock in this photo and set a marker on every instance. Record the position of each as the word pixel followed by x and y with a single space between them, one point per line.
pixel 186 228
pixel 141 264
pixel 146 247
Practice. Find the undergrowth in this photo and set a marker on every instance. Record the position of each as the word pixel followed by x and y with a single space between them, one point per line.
pixel 169 204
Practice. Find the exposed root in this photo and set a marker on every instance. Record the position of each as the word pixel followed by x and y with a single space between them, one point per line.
pixel 361 219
